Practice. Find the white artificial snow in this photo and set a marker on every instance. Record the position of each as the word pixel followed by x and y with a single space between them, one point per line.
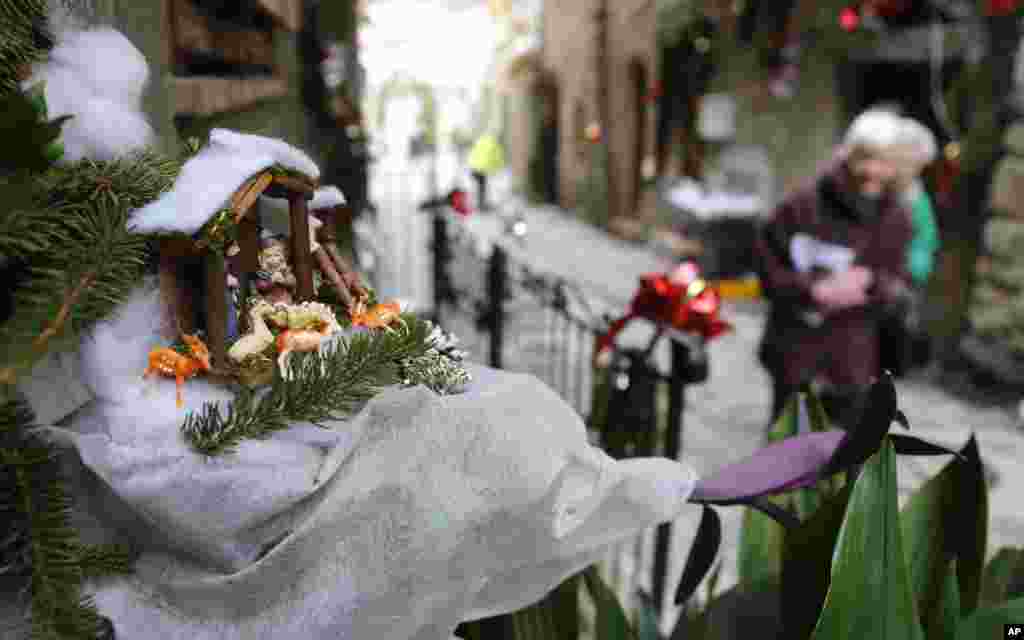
pixel 283 153
pixel 209 179
pixel 326 197
pixel 97 76
pixel 106 61
pixel 417 514
pixel 204 186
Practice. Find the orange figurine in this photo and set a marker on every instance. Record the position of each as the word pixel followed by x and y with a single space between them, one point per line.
pixel 379 317
pixel 171 364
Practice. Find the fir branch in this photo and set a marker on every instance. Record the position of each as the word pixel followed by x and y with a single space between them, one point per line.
pixel 24 39
pixel 329 385
pixel 98 561
pixel 82 258
pixel 41 540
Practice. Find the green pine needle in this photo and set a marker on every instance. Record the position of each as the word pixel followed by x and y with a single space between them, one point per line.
pixel 38 539
pixel 324 386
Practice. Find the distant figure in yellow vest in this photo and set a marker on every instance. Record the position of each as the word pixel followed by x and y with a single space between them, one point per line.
pixel 485 158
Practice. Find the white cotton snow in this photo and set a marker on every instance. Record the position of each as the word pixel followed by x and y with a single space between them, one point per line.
pixel 204 186
pixel 283 153
pixel 209 179
pixel 326 197
pixel 97 76
pixel 106 61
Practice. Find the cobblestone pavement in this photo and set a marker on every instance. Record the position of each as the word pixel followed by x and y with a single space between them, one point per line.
pixel 725 417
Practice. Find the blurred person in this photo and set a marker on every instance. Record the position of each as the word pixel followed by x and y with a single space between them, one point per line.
pixel 904 343
pixel 832 262
pixel 485 158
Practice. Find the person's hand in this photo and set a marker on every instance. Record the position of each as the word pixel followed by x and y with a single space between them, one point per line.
pixel 843 290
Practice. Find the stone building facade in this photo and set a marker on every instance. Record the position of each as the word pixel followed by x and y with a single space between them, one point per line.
pixel 180 104
pixel 601 56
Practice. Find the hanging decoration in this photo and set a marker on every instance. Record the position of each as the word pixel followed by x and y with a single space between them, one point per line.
pixel 681 300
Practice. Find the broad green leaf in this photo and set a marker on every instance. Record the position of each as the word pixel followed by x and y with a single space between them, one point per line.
pixel 612 623
pixel 945 616
pixel 940 522
pixel 806 559
pixel 987 622
pixel 869 594
pixel 1002 571
pixel 761 538
pixel 760 549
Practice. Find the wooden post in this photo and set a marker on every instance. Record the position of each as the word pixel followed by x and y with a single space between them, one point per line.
pixel 248 263
pixel 216 307
pixel 301 257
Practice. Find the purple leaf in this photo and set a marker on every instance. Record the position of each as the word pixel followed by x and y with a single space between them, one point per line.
pixel 790 464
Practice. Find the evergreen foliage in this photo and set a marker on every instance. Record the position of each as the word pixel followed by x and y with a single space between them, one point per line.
pixel 329 385
pixel 24 39
pixel 39 541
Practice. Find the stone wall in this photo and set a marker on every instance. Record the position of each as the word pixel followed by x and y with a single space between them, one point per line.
pixel 798 133
pixel 569 51
pixel 146 24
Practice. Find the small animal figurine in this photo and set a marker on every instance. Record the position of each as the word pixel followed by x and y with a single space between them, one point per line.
pixel 380 316
pixel 171 364
pixel 301 340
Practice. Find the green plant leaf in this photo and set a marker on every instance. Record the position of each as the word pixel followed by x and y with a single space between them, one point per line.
pixel 945 616
pixel 806 560
pixel 987 622
pixel 761 538
pixel 939 523
pixel 869 594
pixel 612 623
pixel 1004 570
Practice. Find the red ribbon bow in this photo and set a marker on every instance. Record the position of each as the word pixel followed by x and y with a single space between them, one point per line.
pixel 681 300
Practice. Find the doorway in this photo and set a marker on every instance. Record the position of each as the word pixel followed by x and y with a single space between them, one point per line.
pixel 638 82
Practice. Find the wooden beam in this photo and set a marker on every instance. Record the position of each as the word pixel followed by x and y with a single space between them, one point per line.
pixel 302 260
pixel 216 307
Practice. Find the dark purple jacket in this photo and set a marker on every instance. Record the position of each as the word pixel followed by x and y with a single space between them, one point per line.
pixel 879 238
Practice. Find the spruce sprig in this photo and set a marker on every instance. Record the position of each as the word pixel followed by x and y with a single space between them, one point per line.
pixel 40 539
pixel 327 385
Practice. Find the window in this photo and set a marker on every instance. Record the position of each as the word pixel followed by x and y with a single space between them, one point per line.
pixel 223 52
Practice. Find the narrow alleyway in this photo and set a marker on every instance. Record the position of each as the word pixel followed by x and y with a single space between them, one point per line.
pixel 725 417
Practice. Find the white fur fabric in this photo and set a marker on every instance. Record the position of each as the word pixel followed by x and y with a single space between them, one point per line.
pixel 419 513
pixel 98 77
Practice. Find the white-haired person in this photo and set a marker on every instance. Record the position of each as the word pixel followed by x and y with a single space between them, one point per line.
pixel 916 150
pixel 905 344
pixel 832 263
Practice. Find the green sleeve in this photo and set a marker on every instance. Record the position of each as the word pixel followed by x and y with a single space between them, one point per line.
pixel 921 253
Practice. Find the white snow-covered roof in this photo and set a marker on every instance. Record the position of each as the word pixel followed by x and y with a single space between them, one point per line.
pixel 283 153
pixel 209 179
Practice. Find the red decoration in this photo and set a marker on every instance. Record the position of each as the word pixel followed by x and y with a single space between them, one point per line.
pixel 655 92
pixel 682 300
pixel 849 19
pixel 1000 7
pixel 458 201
